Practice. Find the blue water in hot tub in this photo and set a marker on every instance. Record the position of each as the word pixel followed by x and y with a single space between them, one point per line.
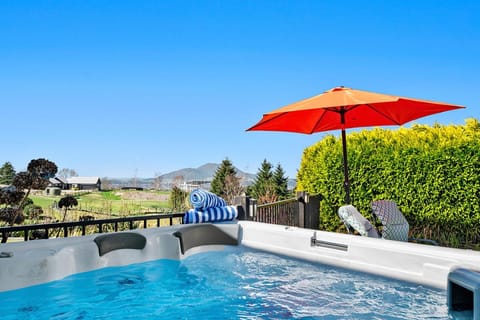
pixel 236 283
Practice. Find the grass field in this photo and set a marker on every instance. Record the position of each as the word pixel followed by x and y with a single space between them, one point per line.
pixel 104 204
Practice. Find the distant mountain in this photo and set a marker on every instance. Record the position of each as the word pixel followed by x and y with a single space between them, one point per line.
pixel 205 172
pixel 202 175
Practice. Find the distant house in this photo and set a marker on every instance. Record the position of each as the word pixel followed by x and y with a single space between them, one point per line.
pixel 84 183
pixel 58 182
pixel 188 187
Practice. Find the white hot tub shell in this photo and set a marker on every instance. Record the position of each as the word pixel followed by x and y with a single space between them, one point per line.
pixel 40 261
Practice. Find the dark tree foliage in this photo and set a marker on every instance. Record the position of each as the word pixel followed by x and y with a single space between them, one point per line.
pixel 10 216
pixel 36 177
pixel 218 186
pixel 42 168
pixel 10 196
pixel 67 202
pixel 7 172
pixel 280 182
pixel 23 180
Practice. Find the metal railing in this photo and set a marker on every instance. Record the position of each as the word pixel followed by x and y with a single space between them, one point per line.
pixel 302 211
pixel 103 225
pixel 285 212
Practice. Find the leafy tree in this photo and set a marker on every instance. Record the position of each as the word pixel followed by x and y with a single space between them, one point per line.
pixel 280 182
pixel 67 202
pixel 219 185
pixel 7 172
pixel 263 187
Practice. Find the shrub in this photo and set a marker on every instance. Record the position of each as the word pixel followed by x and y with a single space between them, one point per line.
pixel 432 172
pixel 179 200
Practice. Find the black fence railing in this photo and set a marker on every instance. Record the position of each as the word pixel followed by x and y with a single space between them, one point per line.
pixel 44 231
pixel 285 212
pixel 302 211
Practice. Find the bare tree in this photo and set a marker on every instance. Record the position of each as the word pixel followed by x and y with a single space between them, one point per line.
pixel 232 188
pixel 106 184
pixel 178 180
pixel 157 182
pixel 67 173
pixel 134 179
pixel 268 195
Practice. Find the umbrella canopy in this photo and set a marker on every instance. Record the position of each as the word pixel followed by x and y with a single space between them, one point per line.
pixel 343 108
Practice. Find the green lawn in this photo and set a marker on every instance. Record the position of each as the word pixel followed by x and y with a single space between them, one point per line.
pixel 107 203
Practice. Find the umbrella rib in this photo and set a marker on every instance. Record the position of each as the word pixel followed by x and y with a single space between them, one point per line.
pixel 342 110
pixel 319 120
pixel 383 114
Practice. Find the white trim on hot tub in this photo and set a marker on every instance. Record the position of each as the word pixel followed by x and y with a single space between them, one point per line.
pixel 423 264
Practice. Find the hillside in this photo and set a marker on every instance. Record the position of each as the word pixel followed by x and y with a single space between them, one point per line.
pixel 204 173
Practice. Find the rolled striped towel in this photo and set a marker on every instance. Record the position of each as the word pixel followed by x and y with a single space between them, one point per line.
pixel 214 214
pixel 202 199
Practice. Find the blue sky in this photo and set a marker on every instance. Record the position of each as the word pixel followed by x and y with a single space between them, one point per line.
pixel 138 88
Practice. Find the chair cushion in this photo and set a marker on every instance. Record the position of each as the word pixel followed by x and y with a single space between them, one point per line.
pixel 351 217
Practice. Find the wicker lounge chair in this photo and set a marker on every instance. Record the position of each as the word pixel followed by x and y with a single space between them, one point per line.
pixel 395 226
pixel 393 223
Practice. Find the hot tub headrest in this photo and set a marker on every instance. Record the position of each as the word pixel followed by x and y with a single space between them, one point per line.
pixel 202 235
pixel 121 240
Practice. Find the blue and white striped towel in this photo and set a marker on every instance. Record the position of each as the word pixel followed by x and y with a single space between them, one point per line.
pixel 202 199
pixel 214 214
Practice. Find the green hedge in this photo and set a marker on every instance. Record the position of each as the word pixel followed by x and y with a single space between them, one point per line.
pixel 432 172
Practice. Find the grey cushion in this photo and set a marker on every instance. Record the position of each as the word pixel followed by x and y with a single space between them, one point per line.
pixel 201 235
pixel 351 217
pixel 120 240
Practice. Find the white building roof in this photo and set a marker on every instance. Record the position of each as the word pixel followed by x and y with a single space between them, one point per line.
pixel 83 180
pixel 57 180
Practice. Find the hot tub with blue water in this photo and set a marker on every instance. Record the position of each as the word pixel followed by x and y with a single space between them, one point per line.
pixel 234 283
pixel 274 273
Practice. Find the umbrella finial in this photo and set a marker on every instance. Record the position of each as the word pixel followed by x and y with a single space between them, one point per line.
pixel 337 88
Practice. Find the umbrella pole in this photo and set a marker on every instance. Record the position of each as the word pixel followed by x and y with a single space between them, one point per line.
pixel 346 182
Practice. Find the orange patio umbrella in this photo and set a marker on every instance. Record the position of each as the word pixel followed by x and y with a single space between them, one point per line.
pixel 342 108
